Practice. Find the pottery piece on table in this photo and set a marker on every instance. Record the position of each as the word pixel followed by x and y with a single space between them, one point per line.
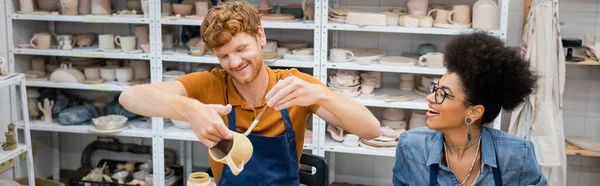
pixel 182 9
pixel 366 19
pixel 109 122
pixel 127 43
pixel 199 179
pixel 418 7
pixel 11 138
pixel 48 5
pixel 303 51
pixel 101 7
pixel 277 17
pixel 85 40
pixel 67 74
pixel 85 7
pixel 485 15
pixel 351 140
pixel 426 21
pixel 26 6
pixel 69 7
pixel 336 133
pixel 389 132
pixel 46 110
pixel 340 55
pixel 235 153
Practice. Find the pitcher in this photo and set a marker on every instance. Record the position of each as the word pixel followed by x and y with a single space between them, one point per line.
pixel 65 42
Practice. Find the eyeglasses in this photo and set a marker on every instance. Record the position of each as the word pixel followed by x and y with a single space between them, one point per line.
pixel 441 94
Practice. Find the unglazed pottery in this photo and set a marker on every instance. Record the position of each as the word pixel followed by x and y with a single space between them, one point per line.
pixel 282 51
pixel 199 179
pixel 11 138
pixel 67 74
pixel 411 21
pixel 127 43
pixel 65 42
pixel 85 40
pixel 397 61
pixel 201 8
pixel 340 55
pixel 124 75
pixel 106 41
pixel 92 73
pixel 485 15
pixel 303 51
pixel 26 6
pixel 145 5
pixel 141 69
pixel 41 41
pixel 109 122
pixel 85 7
pixel 389 132
pixel 235 153
pixel 141 33
pixel 407 77
pixel 69 7
pixel 394 114
pixel 169 41
pixel 38 64
pixel 48 5
pixel 308 10
pixel 441 15
pixel 32 95
pixel 460 14
pixel 417 119
pixel 294 44
pixel 399 124
pixel 46 110
pixel 418 7
pixel 585 143
pixel 3 67
pixel 407 85
pixel 391 19
pixel 271 46
pixel 351 140
pixel 182 9
pixel 426 21
pixel 372 75
pixel 101 7
pixel 432 60
pixel 366 19
pixel 108 74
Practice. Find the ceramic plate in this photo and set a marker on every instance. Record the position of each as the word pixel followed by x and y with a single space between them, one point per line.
pixel 454 26
pixel 397 61
pixel 93 129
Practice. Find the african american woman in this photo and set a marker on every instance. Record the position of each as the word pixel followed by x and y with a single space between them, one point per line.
pixel 458 147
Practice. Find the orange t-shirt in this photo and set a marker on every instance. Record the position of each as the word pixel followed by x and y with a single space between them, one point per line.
pixel 209 88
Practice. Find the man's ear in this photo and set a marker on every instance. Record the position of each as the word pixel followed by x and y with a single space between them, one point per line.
pixel 261 37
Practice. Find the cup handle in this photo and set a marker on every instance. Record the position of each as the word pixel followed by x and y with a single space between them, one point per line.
pixel 449 17
pixel 234 168
pixel 175 42
pixel 431 11
pixel 32 41
pixel 421 63
pixel 73 41
pixel 351 55
pixel 118 40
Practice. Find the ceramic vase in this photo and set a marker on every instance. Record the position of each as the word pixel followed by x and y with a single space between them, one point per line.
pixel 26 6
pixel 48 5
pixel 418 7
pixel 101 7
pixel 485 15
pixel 11 138
pixel 198 179
pixel 141 33
pixel 69 7
pixel 145 8
pixel 65 42
pixel 85 7
pixel 141 69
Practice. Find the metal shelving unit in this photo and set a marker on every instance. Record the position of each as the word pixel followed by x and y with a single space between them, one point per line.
pixel 19 79
pixel 322 29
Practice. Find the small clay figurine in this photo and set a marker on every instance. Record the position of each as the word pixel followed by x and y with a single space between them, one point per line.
pixel 11 140
pixel 46 110
pixel 309 10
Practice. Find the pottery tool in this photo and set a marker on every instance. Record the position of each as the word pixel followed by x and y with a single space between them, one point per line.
pixel 255 122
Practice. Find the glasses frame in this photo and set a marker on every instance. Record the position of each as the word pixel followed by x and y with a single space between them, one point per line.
pixel 434 89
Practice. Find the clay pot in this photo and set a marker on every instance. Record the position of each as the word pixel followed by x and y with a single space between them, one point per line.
pixel 101 7
pixel 199 179
pixel 69 7
pixel 124 75
pixel 108 74
pixel 92 73
pixel 201 8
pixel 41 41
pixel 181 9
pixel 38 64
pixel 485 15
pixel 48 5
pixel 26 6
pixel 235 153
pixel 134 5
pixel 66 73
pixel 85 7
pixel 394 114
pixel 141 69
pixel 418 7
pixel 85 40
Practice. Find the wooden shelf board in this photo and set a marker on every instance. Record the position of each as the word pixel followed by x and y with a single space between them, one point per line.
pixel 573 150
pixel 587 61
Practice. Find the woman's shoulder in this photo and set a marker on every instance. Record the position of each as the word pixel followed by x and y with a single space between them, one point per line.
pixel 512 151
pixel 418 134
pixel 503 139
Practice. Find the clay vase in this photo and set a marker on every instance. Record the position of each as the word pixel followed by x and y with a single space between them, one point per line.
pixel 69 7
pixel 146 8
pixel 198 179
pixel 201 8
pixel 141 69
pixel 48 5
pixel 85 7
pixel 141 33
pixel 235 153
pixel 41 41
pixel 101 7
pixel 26 6
pixel 11 139
pixel 418 7
pixel 92 73
pixel 38 64
pixel 485 15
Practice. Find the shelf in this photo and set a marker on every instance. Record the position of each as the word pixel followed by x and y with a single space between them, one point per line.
pixel 573 150
pixel 107 86
pixel 37 125
pixel 11 79
pixel 376 66
pixel 298 24
pixel 81 53
pixel 418 104
pixel 174 133
pixel 399 29
pixel 6 155
pixel 335 146
pixel 80 18
pixel 588 61
pixel 208 59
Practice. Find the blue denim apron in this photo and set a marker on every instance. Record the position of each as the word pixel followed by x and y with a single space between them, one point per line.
pixel 274 161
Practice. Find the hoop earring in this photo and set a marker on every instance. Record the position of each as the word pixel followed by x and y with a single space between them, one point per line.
pixel 469 122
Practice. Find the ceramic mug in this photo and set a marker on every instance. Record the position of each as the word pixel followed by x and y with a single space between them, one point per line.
pixel 340 55
pixel 26 6
pixel 168 41
pixel 108 74
pixel 65 42
pixel 106 41
pixel 235 153
pixel 127 43
pixel 441 16
pixel 41 41
pixel 124 75
pixel 460 14
pixel 92 73
pixel 432 60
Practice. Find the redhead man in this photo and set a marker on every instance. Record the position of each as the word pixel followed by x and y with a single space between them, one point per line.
pixel 225 100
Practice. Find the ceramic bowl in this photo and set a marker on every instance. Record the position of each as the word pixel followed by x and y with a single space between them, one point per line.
pixel 181 124
pixel 293 45
pixel 110 122
pixel 394 114
pixel 92 73
pixel 108 74
pixel 182 9
pixel 124 75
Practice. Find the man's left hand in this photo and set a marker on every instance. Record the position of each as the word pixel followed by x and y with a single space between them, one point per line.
pixel 293 91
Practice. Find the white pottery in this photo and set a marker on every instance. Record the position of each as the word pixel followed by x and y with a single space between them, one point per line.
pixel 351 140
pixel 411 21
pixel 407 85
pixel 372 75
pixel 426 21
pixel 441 16
pixel 294 44
pixel 141 69
pixel 303 51
pixel 108 74
pixel 26 6
pixel 397 61
pixel 3 66
pixel 391 19
pixel 585 143
pixel 41 41
pixel 92 73
pixel 85 7
pixel 460 14
pixel 367 88
pixel 418 7
pixel 146 8
pixel 432 60
pixel 394 114
pixel 417 119
pixel 485 15
pixel 366 19
pixel 48 5
pixel 124 75
pixel 407 77
pixel 181 124
pixel 282 51
pixel 127 43
pixel 271 46
pixel 168 41
pixel 400 124
pixel 69 7
pixel 38 64
pixel 109 122
pixel 340 55
pixel 67 74
pixel 106 41
pixel 101 7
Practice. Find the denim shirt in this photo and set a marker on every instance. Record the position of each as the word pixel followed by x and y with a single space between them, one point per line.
pixel 419 148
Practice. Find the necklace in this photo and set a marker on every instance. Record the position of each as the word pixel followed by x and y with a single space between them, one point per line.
pixel 461 148
pixel 472 164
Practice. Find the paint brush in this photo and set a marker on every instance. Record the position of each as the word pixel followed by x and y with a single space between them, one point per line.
pixel 255 122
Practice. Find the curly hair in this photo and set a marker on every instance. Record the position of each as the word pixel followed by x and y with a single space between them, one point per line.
pixel 491 74
pixel 226 20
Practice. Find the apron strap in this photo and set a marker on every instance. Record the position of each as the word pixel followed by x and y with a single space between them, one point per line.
pixel 231 119
pixel 433 175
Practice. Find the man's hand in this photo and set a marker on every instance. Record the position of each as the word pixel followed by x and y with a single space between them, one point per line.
pixel 207 123
pixel 293 91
